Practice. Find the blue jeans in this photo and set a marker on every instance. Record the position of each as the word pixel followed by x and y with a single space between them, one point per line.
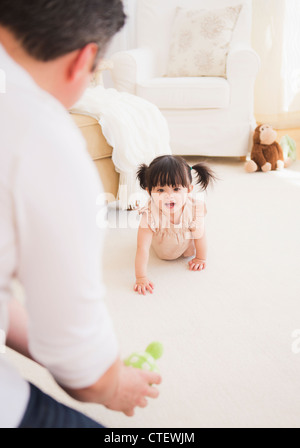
pixel 45 412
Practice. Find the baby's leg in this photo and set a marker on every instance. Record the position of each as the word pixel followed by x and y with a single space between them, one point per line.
pixel 190 251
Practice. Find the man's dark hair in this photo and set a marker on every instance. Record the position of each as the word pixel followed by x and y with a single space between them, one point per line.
pixel 48 29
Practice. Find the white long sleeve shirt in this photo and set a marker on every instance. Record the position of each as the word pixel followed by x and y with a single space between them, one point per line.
pixel 50 241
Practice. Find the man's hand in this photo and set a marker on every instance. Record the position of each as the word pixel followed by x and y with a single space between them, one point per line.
pixel 133 388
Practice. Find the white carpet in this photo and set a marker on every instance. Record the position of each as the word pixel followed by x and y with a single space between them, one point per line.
pixel 227 331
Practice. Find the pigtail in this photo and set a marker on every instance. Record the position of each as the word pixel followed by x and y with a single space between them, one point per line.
pixel 205 175
pixel 141 176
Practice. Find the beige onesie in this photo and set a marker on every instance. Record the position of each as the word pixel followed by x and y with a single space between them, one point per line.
pixel 171 241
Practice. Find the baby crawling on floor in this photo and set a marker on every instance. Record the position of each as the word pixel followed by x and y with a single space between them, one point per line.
pixel 173 220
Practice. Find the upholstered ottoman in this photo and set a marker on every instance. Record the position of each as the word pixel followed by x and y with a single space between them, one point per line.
pixel 100 151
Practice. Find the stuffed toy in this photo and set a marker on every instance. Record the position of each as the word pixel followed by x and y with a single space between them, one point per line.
pixel 146 360
pixel 266 154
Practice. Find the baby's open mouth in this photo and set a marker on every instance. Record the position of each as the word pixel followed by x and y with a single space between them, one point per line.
pixel 170 204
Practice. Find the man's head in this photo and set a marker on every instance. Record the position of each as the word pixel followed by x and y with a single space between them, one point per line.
pixel 50 30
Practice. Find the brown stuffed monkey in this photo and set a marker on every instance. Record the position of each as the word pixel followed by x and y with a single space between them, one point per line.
pixel 266 154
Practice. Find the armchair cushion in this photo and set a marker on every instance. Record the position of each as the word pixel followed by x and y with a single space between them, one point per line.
pixel 186 93
pixel 200 41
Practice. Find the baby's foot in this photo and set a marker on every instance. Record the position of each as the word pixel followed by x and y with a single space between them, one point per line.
pixel 197 265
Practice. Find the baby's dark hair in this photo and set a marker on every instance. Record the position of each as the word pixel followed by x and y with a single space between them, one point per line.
pixel 172 171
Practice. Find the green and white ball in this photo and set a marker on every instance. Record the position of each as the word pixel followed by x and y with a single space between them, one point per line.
pixel 146 360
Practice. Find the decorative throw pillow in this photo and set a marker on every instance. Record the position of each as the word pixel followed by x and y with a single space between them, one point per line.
pixel 200 41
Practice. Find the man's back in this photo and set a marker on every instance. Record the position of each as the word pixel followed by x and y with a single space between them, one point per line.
pixel 49 239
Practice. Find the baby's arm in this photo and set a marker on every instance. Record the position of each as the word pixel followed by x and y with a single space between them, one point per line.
pixel 198 234
pixel 144 240
pixel 199 262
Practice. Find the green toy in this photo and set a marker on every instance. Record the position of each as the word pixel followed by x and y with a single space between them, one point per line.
pixel 289 148
pixel 146 360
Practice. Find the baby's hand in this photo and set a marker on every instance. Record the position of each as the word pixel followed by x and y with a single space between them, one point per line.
pixel 197 265
pixel 142 285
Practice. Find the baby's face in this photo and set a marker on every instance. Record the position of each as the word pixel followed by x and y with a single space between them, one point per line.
pixel 170 199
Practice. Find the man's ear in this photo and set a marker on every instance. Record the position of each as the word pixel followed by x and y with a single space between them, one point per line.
pixel 82 61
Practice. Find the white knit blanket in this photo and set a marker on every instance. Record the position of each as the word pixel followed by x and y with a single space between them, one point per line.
pixel 134 127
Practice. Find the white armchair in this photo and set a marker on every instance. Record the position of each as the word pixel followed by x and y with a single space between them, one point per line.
pixel 207 115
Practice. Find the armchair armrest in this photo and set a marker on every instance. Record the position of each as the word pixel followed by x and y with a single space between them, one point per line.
pixel 242 61
pixel 243 65
pixel 132 67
